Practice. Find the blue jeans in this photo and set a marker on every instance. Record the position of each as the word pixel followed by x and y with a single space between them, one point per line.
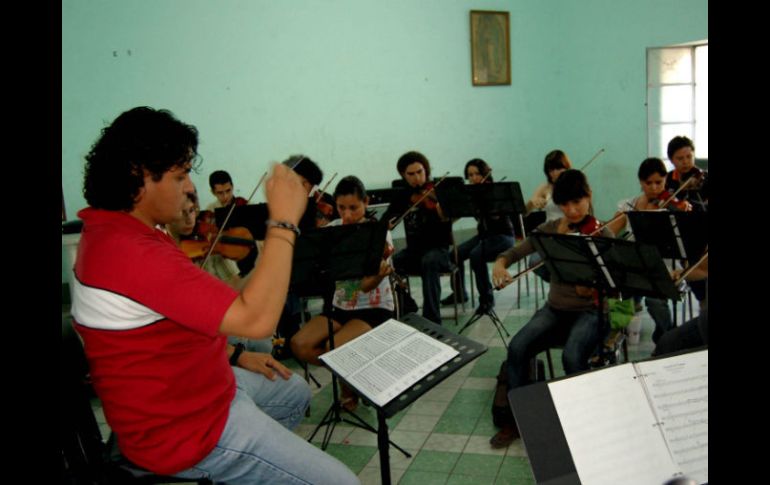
pixel 480 253
pixel 429 266
pixel 257 445
pixel 579 332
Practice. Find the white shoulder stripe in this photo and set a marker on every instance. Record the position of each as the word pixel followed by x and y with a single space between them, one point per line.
pixel 103 309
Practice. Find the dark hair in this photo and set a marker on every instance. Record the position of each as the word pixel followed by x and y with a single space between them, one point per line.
pixel 409 158
pixel 307 168
pixel 570 185
pixel 219 177
pixel 678 142
pixel 140 139
pixel 352 185
pixel 650 166
pixel 555 159
pixel 480 164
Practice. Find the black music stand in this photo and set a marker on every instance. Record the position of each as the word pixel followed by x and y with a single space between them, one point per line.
pixel 606 264
pixel 321 257
pixel 468 351
pixel 502 199
pixel 678 235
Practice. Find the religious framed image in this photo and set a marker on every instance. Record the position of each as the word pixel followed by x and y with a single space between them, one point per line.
pixel 490 48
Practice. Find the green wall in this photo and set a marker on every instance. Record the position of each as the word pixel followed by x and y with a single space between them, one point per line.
pixel 356 83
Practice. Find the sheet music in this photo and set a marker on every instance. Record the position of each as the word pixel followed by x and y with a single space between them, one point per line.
pixel 386 361
pixel 678 389
pixel 610 428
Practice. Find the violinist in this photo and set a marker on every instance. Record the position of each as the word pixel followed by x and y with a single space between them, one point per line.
pixel 320 208
pixel 357 305
pixel 570 316
pixel 556 161
pixel 428 233
pixel 695 332
pixel 652 178
pixel 681 152
pixel 315 215
pixel 184 226
pixel 221 185
pixel 495 234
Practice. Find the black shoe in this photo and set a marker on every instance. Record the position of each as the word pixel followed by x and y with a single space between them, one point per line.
pixel 507 435
pixel 450 300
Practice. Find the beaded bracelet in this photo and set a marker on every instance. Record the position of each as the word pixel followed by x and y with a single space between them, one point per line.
pixel 283 225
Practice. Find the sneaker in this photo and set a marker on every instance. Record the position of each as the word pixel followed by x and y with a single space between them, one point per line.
pixel 451 301
pixel 507 435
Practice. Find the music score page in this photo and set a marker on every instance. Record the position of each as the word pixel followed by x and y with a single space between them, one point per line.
pixel 387 360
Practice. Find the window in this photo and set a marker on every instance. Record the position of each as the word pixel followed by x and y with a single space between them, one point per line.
pixel 677 98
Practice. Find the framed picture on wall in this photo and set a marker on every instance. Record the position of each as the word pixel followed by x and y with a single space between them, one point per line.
pixel 490 48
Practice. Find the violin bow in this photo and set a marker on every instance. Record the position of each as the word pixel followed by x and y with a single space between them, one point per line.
pixel 681 188
pixel 691 268
pixel 323 190
pixel 427 192
pixel 601 150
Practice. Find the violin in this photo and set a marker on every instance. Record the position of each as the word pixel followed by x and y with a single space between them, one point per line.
pixel 426 197
pixel 235 243
pixel 324 210
pixel 588 226
pixel 675 203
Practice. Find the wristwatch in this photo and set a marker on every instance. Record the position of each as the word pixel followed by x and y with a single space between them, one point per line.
pixel 237 353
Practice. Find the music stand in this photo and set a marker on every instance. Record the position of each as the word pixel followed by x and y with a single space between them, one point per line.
pixel 606 264
pixel 678 235
pixel 252 217
pixel 321 257
pixel 502 199
pixel 468 351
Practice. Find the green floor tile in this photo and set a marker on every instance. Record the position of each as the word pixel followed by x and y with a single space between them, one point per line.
pixel 485 426
pixel 469 480
pixel 434 461
pixel 455 424
pixel 515 468
pixel 464 410
pixel 478 465
pixel 473 396
pixel 423 478
pixel 355 457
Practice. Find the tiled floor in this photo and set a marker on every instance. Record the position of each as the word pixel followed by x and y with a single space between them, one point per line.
pixel 447 430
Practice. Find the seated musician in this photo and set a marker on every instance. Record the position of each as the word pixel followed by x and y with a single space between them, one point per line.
pixel 320 209
pixel 357 305
pixel 556 161
pixel 317 214
pixel 154 325
pixel 652 177
pixel 495 235
pixel 569 317
pixel 428 233
pixel 693 333
pixel 221 185
pixel 217 265
pixel 681 152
